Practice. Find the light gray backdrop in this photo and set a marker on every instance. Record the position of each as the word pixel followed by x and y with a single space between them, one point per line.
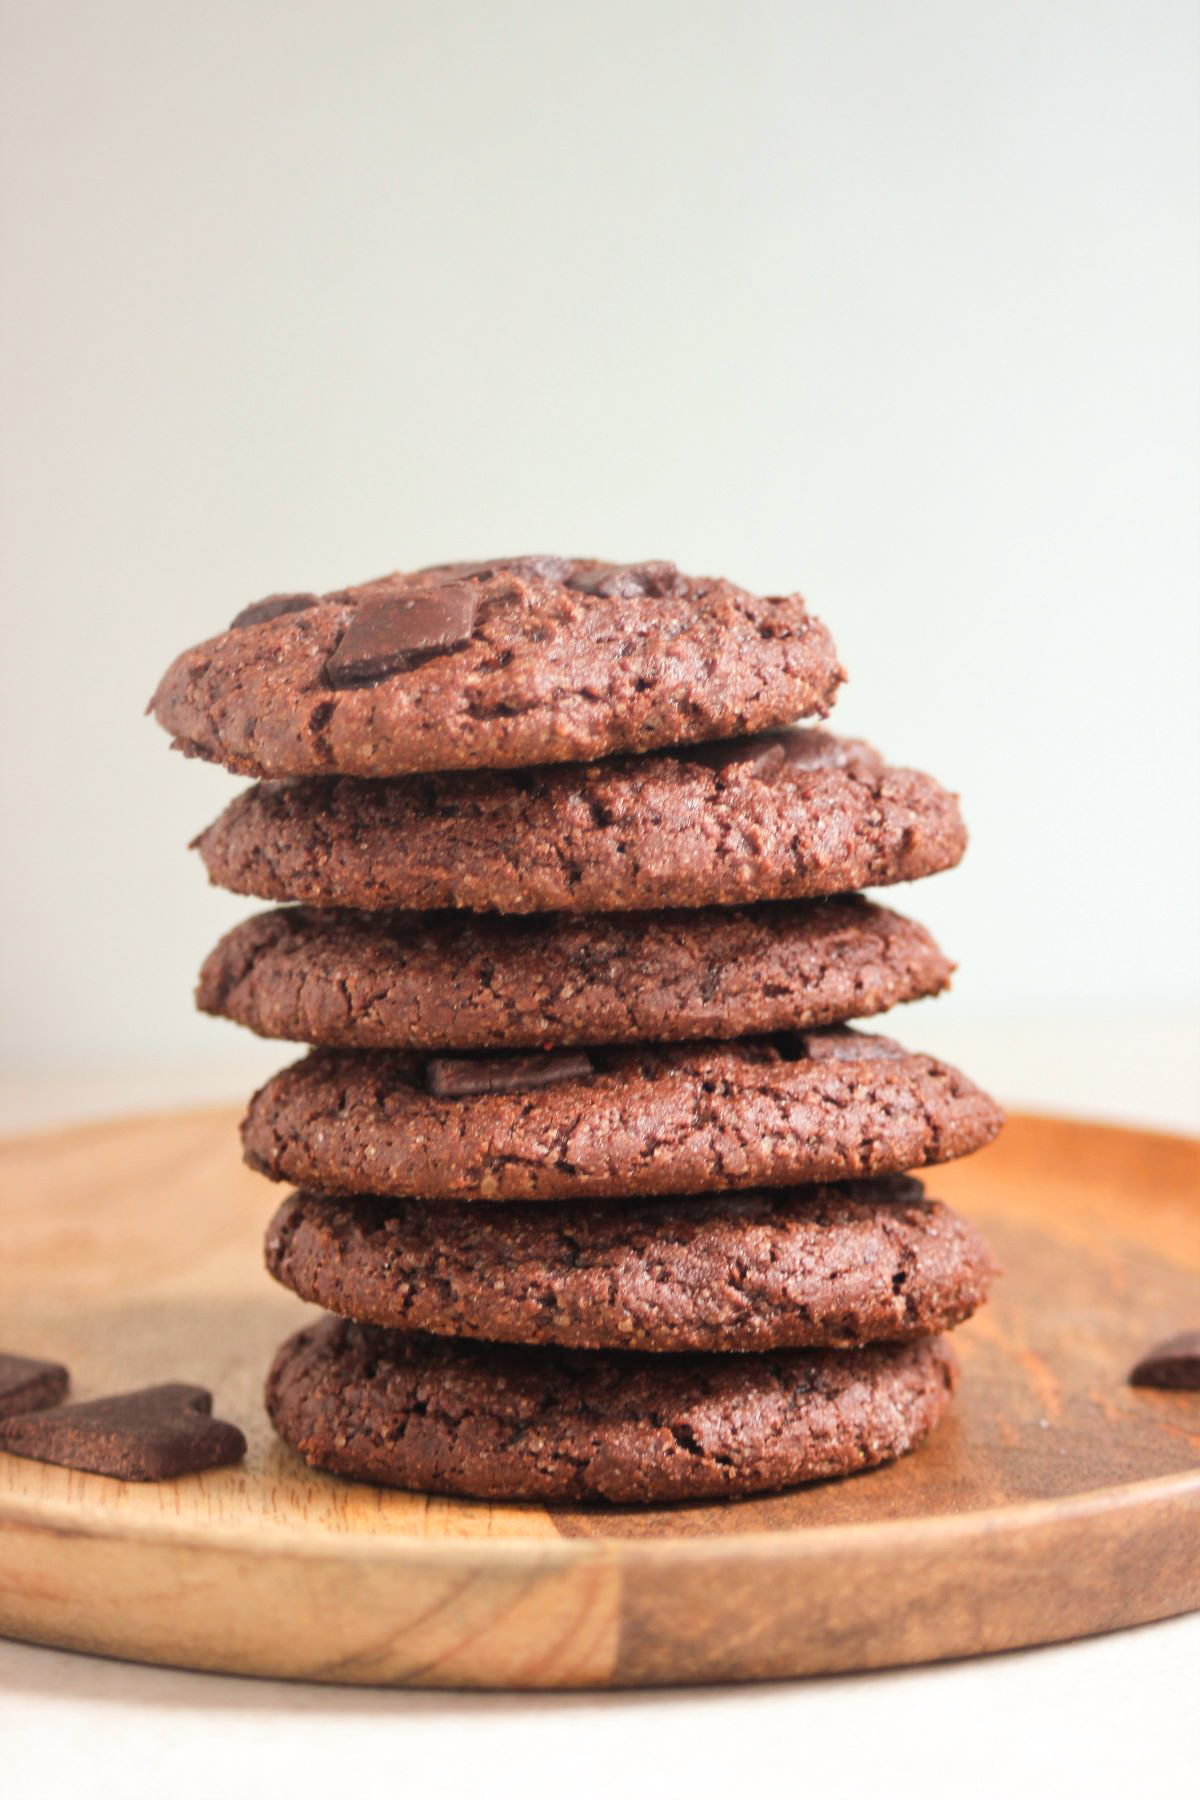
pixel 893 304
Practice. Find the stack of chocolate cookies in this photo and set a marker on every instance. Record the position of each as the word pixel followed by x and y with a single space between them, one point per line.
pixel 603 1197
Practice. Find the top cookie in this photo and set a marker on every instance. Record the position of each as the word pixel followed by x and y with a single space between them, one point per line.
pixel 528 659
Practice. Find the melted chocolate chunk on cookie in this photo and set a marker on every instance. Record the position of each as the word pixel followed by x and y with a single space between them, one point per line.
pixel 838 1046
pixel 525 568
pixel 152 1434
pixel 27 1384
pixel 768 753
pixel 763 755
pixel 389 632
pixel 626 581
pixel 819 750
pixel 273 607
pixel 1175 1363
pixel 457 1078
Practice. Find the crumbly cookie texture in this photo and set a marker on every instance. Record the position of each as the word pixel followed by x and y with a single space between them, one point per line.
pixel 823 1105
pixel 379 981
pixel 822 1266
pixel 518 661
pixel 507 1423
pixel 790 815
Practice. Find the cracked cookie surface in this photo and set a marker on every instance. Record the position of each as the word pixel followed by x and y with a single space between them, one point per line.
pixel 359 980
pixel 559 659
pixel 508 1423
pixel 789 815
pixel 827 1266
pixel 821 1105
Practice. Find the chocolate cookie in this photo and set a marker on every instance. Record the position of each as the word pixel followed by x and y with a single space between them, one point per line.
pixel 521 660
pixel 381 981
pixel 807 1106
pixel 816 1266
pixel 783 816
pixel 512 1423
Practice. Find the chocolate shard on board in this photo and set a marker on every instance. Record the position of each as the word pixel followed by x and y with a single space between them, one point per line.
pixel 627 581
pixel 1175 1363
pixel 273 607
pixel 386 633
pixel 27 1384
pixel 460 1077
pixel 151 1434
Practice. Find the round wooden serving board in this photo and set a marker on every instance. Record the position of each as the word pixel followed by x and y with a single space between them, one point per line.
pixel 1054 1501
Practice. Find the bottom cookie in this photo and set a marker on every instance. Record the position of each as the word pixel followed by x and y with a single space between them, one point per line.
pixel 518 1423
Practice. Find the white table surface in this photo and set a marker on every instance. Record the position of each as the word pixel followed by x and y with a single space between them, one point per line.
pixel 1118 1715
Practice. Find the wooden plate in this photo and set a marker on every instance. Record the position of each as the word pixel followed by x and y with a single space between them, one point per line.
pixel 1055 1501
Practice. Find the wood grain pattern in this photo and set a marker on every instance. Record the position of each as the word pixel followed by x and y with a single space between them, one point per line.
pixel 1055 1501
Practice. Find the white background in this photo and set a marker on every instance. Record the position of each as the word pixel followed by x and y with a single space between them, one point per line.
pixel 1111 1719
pixel 892 303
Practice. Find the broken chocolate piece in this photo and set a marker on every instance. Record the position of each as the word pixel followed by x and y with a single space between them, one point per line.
pixel 1175 1363
pixel 149 1435
pixel 27 1384
pixel 458 1077
pixel 626 581
pixel 272 608
pixel 389 632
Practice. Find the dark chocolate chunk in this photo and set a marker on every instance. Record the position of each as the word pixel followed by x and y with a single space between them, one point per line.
pixel 526 568
pixel 818 750
pixel 1175 1363
pixel 150 1435
pixel 27 1384
pixel 533 568
pixel 627 581
pixel 761 755
pixel 457 1077
pixel 271 608
pixel 768 752
pixel 387 633
pixel 839 1046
